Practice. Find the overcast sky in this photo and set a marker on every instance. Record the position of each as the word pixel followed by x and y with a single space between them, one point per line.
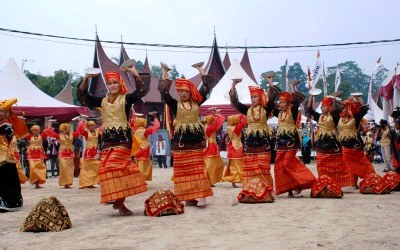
pixel 263 23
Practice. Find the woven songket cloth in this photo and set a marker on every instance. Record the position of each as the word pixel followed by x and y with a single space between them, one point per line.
pixel 291 173
pixel 325 187
pixel 214 168
pixel 190 181
pixel 119 176
pixel 88 175
pixel 333 166
pixel 256 191
pixel 49 215
pixel 257 166
pixel 163 202
pixel 394 179
pixel 374 184
pixel 234 171
pixel 357 162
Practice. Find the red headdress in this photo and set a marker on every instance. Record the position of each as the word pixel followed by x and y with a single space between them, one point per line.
pixel 327 102
pixel 184 84
pixel 255 90
pixel 117 76
pixel 285 96
pixel 352 107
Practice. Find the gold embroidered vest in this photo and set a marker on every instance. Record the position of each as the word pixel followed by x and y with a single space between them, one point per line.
pixel 326 126
pixel 139 133
pixel 187 119
pixel 286 123
pixel 236 142
pixel 66 142
pixel 113 114
pixel 6 154
pixel 92 140
pixel 35 144
pixel 257 121
pixel 347 130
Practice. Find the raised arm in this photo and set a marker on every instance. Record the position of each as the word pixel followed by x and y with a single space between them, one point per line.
pixel 84 96
pixel 217 124
pixel 235 100
pixel 310 110
pixel 152 129
pixel 242 123
pixel 164 86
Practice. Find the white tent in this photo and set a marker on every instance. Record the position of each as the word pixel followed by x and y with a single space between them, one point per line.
pixel 389 85
pixel 31 100
pixel 220 95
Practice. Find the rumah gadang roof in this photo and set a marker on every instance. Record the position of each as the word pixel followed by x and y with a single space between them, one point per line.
pixel 65 94
pixel 245 63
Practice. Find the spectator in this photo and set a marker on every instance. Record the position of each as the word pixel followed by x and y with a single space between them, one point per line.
pixel 53 147
pixel 377 158
pixel 385 145
pixel 161 152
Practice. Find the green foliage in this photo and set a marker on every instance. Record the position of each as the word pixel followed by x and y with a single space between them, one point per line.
pixel 156 71
pixel 139 65
pixel 173 73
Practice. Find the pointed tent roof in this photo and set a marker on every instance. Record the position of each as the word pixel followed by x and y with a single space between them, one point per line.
pixel 102 61
pixel 65 94
pixel 123 56
pixel 31 100
pixel 220 95
pixel 247 66
pixel 227 61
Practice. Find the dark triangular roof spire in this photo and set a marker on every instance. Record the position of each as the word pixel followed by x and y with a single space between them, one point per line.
pixel 146 65
pixel 245 63
pixel 227 60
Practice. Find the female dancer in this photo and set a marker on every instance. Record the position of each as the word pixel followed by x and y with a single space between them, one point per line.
pixel 90 161
pixel 66 152
pixel 329 150
pixel 234 170
pixel 257 149
pixel 36 156
pixel 353 149
pixel 190 181
pixel 119 176
pixel 212 159
pixel 142 156
pixel 10 187
pixel 290 173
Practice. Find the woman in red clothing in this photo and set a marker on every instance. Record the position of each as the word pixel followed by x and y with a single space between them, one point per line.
pixel 212 159
pixel 36 156
pixel 141 134
pixel 234 170
pixel 353 148
pixel 290 173
pixel 90 160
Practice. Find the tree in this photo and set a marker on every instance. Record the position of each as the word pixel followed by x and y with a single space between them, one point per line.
pixel 173 73
pixel 156 71
pixel 139 66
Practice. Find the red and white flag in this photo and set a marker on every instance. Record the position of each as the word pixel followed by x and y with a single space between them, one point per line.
pixel 338 78
pixel 324 79
pixel 286 76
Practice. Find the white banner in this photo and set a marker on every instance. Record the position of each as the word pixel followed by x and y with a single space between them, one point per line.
pixel 324 80
pixel 338 78
pixel 317 71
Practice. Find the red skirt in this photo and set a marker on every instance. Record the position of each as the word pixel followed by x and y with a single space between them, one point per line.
pixel 257 165
pixel 291 173
pixel 333 166
pixel 190 181
pixel 119 176
pixel 357 162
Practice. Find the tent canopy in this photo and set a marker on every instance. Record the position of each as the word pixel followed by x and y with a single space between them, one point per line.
pixel 220 95
pixel 31 100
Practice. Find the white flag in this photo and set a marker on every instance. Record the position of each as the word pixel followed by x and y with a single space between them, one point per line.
pixel 324 80
pixel 317 71
pixel 337 78
pixel 286 76
pixel 378 63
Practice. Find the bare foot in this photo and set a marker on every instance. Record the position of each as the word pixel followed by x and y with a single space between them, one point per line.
pixel 37 186
pixel 191 203
pixel 234 185
pixel 290 194
pixel 67 187
pixel 213 185
pixel 91 186
pixel 201 202
pixel 124 211
pixel 356 187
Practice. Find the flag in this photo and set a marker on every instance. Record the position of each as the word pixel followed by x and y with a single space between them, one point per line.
pixel 370 114
pixel 286 76
pixel 317 71
pixel 337 78
pixel 167 120
pixel 378 63
pixel 324 79
pixel 309 78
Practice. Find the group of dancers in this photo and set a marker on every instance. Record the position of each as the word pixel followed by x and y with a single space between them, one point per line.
pixel 197 162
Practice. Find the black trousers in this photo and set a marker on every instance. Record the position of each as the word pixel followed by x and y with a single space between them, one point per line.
pixel 10 188
pixel 162 160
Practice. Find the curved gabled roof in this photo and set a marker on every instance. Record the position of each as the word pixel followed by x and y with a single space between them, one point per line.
pixel 245 63
pixel 65 94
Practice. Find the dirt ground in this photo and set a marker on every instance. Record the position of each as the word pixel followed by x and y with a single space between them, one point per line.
pixel 355 222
